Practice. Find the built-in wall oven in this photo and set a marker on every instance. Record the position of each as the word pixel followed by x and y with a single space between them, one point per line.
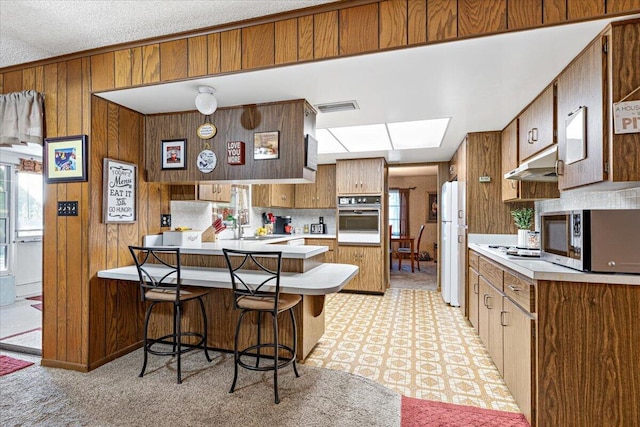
pixel 359 219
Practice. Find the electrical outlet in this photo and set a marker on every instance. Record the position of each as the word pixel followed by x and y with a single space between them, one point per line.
pixel 485 179
pixel 165 220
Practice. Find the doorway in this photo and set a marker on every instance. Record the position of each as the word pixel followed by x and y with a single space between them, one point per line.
pixel 21 229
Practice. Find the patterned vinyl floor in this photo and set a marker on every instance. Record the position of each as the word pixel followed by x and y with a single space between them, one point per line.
pixel 414 343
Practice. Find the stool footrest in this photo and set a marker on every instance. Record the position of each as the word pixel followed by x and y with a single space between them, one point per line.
pixel 282 361
pixel 168 340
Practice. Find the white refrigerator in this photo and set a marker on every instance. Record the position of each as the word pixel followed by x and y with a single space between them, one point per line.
pixel 449 241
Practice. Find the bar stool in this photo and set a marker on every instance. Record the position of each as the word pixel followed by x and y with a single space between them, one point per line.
pixel 255 277
pixel 160 283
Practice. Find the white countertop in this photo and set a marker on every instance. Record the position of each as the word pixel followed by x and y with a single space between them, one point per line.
pixel 324 279
pixel 542 270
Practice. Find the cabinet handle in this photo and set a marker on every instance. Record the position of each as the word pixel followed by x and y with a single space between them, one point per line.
pixel 559 167
pixel 502 313
pixel 534 135
pixel 459 239
pixel 475 289
pixel 460 213
pixel 486 296
pixel 513 185
pixel 529 139
pixel 515 288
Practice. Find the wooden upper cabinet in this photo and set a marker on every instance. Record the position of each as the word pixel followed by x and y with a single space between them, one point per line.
pixel 513 190
pixel 509 160
pixel 273 195
pixel 204 192
pixel 173 60
pixel 537 125
pixel 258 46
pixel 359 29
pixel 475 17
pixel 582 84
pixel 363 176
pixel 320 194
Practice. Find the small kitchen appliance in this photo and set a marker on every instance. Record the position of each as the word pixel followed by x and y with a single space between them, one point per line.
pixel 283 225
pixel 320 228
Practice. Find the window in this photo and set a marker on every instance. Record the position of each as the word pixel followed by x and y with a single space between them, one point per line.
pixel 29 205
pixel 394 212
pixel 5 199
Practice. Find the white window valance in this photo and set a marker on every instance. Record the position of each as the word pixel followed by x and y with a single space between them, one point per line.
pixel 21 117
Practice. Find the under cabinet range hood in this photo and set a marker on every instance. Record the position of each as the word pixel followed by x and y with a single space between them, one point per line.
pixel 541 167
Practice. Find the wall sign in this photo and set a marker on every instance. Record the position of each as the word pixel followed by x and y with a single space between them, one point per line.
pixel 626 117
pixel 119 191
pixel 235 153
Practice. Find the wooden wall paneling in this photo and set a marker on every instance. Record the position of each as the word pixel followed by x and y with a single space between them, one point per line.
pixel 416 21
pixel 442 19
pixel 2 83
pixel 50 234
pixel 359 29
pixel 61 289
pixel 524 14
pixel 258 46
pixel 28 78
pixel 151 63
pixel 213 53
pixel 136 66
pixel 123 63
pixel 393 23
pixel 325 34
pixel 305 38
pixel 197 60
pixel 102 71
pixel 98 232
pixel 13 81
pixel 74 258
pixel 230 51
pixel 624 52
pixel 174 60
pixel 474 17
pixel 580 9
pixel 86 213
pixel 618 6
pixel 554 11
pixel 286 41
pixel 62 99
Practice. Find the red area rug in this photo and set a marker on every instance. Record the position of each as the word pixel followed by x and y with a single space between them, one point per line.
pixel 36 298
pixel 9 365
pixel 37 306
pixel 420 413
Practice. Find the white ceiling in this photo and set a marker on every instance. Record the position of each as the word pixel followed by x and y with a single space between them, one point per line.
pixel 480 83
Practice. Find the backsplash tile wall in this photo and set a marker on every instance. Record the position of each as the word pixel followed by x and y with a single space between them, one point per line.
pixel 579 199
pixel 299 217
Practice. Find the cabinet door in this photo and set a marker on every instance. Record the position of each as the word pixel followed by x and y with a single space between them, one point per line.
pixel 214 192
pixel 369 277
pixel 474 298
pixel 483 311
pixel 509 160
pixel 363 176
pixel 494 302
pixel 537 125
pixel 518 327
pixel 582 85
pixel 347 176
pixel 305 195
pixel 326 187
pixel 282 195
pixel 371 176
pixel 352 255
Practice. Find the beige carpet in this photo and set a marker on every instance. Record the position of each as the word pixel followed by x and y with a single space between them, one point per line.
pixel 425 279
pixel 114 395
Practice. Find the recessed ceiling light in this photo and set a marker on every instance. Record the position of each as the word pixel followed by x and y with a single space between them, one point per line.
pixel 363 138
pixel 327 143
pixel 418 134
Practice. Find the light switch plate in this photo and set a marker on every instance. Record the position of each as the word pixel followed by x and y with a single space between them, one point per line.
pixel 485 179
pixel 165 220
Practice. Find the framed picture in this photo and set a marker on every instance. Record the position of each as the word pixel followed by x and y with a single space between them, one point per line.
pixel 266 145
pixel 432 207
pixel 119 186
pixel 65 159
pixel 174 153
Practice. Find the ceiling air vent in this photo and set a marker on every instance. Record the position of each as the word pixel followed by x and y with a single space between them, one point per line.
pixel 334 107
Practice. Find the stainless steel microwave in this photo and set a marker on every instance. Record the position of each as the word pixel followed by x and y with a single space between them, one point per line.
pixel 603 240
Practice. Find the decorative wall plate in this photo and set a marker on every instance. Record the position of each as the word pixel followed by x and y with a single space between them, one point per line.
pixel 206 131
pixel 207 161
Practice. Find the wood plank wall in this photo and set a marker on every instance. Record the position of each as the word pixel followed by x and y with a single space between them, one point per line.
pixel 84 324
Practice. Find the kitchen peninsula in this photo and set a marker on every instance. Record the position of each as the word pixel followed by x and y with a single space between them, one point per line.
pixel 303 272
pixel 566 342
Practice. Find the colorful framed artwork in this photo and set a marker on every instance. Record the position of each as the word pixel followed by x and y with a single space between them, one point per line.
pixel 174 153
pixel 65 159
pixel 266 145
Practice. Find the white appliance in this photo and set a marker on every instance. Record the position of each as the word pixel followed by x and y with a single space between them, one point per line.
pixel 359 219
pixel 449 241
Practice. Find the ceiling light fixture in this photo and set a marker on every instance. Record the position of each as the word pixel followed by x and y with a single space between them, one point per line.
pixel 206 103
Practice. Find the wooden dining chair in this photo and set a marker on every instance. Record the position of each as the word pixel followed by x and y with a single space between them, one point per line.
pixel 406 252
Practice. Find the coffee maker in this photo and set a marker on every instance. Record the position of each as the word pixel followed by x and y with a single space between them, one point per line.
pixel 283 225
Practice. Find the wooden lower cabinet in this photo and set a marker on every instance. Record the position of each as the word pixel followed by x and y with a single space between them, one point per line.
pixel 474 295
pixel 367 258
pixel 329 256
pixel 518 337
pixel 490 313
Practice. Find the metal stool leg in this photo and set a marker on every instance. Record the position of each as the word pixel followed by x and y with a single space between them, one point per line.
pixel 178 339
pixel 205 325
pixel 295 342
pixel 145 342
pixel 259 313
pixel 275 357
pixel 235 353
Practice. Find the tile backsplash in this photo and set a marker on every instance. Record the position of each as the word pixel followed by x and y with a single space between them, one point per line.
pixel 580 199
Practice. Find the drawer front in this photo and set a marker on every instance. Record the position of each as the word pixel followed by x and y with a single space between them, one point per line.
pixel 474 258
pixel 520 290
pixel 491 272
pixel 331 243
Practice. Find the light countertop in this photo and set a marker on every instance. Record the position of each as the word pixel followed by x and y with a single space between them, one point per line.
pixel 324 279
pixel 537 269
